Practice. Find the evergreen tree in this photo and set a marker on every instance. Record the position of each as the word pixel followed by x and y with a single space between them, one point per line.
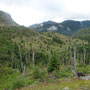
pixel 53 63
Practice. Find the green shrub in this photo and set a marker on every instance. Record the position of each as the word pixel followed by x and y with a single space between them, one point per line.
pixel 36 73
pixel 56 74
pixel 43 74
pixel 66 72
pixel 54 63
pixel 84 69
pixel 5 71
pixel 39 73
pixel 20 82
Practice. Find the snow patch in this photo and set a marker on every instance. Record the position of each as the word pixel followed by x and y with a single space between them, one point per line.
pixel 41 24
pixel 68 29
pixel 52 28
pixel 61 26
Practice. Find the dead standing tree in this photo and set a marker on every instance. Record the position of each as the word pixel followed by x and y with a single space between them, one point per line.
pixel 84 58
pixel 29 58
pixel 26 59
pixel 12 58
pixel 20 55
pixel 74 61
pixel 33 56
pixel 71 56
pixel 24 70
pixel 59 57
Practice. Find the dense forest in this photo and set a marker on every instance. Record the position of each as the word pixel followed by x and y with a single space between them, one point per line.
pixel 28 57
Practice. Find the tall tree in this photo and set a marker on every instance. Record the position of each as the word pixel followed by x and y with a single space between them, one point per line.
pixel 20 55
pixel 33 56
pixel 74 61
pixel 53 63
pixel 84 58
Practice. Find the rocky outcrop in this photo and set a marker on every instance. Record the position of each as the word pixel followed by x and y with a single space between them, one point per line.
pixel 6 20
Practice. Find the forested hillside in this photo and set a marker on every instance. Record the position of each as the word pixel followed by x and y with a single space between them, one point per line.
pixel 15 38
pixel 35 55
pixel 29 58
pixel 83 34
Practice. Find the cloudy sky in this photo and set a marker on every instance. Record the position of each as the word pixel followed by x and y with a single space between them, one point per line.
pixel 27 12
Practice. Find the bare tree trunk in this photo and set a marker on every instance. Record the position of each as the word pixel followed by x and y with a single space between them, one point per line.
pixel 88 59
pixel 29 57
pixel 84 56
pixel 12 57
pixel 33 56
pixel 15 67
pixel 20 57
pixel 26 59
pixel 49 56
pixel 71 59
pixel 74 61
pixel 66 58
pixel 24 70
pixel 59 57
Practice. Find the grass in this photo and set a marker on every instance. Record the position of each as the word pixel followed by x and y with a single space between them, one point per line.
pixel 10 80
pixel 73 84
pixel 14 80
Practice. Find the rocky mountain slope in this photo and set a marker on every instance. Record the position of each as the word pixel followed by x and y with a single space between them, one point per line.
pixel 68 27
pixel 6 20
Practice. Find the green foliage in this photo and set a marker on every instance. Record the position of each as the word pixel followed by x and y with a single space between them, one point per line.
pixel 57 40
pixel 39 73
pixel 14 80
pixel 20 82
pixel 71 83
pixel 43 44
pixel 83 34
pixel 53 63
pixel 6 81
pixel 65 72
pixel 41 57
pixel 5 71
pixel 36 73
pixel 84 69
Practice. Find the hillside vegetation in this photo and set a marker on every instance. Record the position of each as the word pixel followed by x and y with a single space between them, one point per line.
pixel 28 57
pixel 13 37
pixel 83 34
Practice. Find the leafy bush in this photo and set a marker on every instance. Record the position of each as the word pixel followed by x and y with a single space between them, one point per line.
pixel 5 71
pixel 84 69
pixel 35 72
pixel 65 72
pixel 39 73
pixel 19 83
pixel 57 40
pixel 54 63
pixel 56 74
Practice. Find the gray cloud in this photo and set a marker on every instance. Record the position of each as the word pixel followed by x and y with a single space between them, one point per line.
pixel 34 11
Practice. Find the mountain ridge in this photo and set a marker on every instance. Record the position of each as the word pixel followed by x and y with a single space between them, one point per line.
pixel 67 27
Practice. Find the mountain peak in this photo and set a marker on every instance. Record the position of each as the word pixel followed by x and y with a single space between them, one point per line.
pixel 49 22
pixel 6 20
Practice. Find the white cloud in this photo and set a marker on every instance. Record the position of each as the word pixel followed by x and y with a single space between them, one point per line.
pixel 26 12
